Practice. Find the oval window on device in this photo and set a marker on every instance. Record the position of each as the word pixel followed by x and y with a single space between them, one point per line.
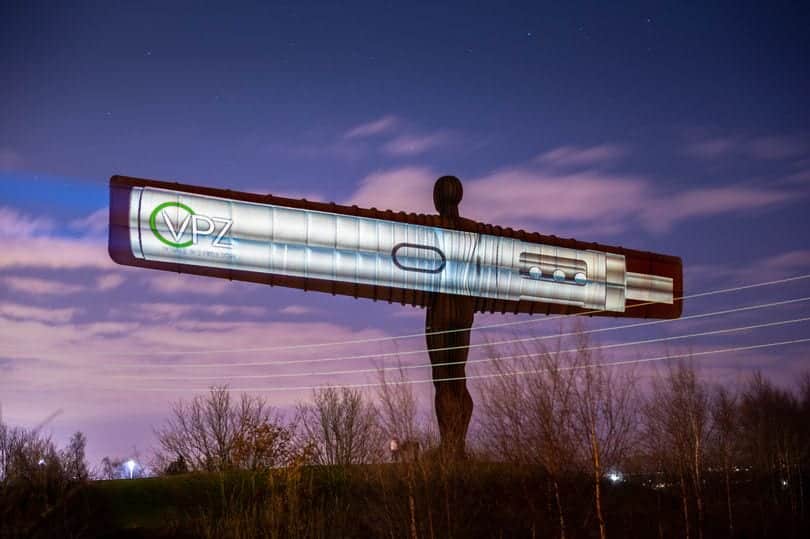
pixel 421 258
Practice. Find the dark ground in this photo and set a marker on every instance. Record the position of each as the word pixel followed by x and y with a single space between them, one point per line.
pixel 422 500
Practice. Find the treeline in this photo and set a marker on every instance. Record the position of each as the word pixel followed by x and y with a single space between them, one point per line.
pixel 715 460
pixel 35 476
pixel 736 459
pixel 562 446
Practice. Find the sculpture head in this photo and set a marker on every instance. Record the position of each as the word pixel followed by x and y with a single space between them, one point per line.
pixel 447 194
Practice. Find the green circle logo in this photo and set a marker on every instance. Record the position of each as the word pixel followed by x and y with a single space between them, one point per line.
pixel 172 228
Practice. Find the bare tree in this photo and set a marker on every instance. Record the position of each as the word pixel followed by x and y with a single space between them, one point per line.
pixel 28 457
pixel 399 414
pixel 725 441
pixel 804 419
pixel 207 431
pixel 262 446
pixel 527 409
pixel 341 427
pixel 33 478
pixel 677 423
pixel 110 468
pixel 604 419
pixel 73 459
pixel 772 427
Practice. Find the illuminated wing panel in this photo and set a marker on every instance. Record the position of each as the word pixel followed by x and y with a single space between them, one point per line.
pixel 381 255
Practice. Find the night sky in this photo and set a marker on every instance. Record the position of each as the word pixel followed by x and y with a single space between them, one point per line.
pixel 677 129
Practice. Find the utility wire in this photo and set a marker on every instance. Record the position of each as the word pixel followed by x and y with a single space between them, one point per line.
pixel 441 332
pixel 498 374
pixel 469 346
pixel 480 360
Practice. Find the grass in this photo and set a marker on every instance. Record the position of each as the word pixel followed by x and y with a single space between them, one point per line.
pixel 426 500
pixel 362 501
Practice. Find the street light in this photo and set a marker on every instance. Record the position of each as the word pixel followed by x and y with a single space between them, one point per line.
pixel 130 464
pixel 615 477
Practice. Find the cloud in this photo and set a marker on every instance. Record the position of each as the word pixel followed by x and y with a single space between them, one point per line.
pixel 773 267
pixel 96 223
pixel 41 287
pixel 407 145
pixel 16 225
pixel 175 311
pixel 403 189
pixel 55 252
pixel 297 310
pixel 57 352
pixel 536 196
pixel 376 127
pixel 662 213
pixel 576 156
pixel 28 313
pixel 767 148
pixel 790 261
pixel 520 195
pixel 37 286
pixel 800 177
pixel 108 281
pixel 171 283
pixel 713 147
pixel 777 147
pixel 28 242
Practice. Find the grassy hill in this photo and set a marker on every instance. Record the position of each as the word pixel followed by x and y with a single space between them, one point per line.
pixel 424 500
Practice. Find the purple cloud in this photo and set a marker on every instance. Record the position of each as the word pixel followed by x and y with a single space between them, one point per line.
pixel 532 196
pixel 375 127
pixel 577 156
pixel 41 287
pixel 13 223
pixel 94 224
pixel 408 145
pixel 765 147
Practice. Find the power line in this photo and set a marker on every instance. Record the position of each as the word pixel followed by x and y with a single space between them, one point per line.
pixel 439 332
pixel 499 374
pixel 480 360
pixel 472 345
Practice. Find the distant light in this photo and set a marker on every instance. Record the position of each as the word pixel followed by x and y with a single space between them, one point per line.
pixel 131 465
pixel 784 482
pixel 615 477
pixel 41 462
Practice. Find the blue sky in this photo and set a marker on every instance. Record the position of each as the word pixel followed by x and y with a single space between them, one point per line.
pixel 679 129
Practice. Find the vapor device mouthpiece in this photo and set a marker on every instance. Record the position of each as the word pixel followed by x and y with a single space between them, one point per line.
pixel 199 230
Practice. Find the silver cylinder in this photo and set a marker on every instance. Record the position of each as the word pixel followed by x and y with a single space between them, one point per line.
pixel 177 227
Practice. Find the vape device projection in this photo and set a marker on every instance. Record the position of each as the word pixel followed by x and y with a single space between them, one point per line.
pixel 388 256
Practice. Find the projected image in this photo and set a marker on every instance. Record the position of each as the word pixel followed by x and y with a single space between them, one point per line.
pixel 178 227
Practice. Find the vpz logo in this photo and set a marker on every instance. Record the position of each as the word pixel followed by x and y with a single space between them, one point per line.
pixel 181 222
